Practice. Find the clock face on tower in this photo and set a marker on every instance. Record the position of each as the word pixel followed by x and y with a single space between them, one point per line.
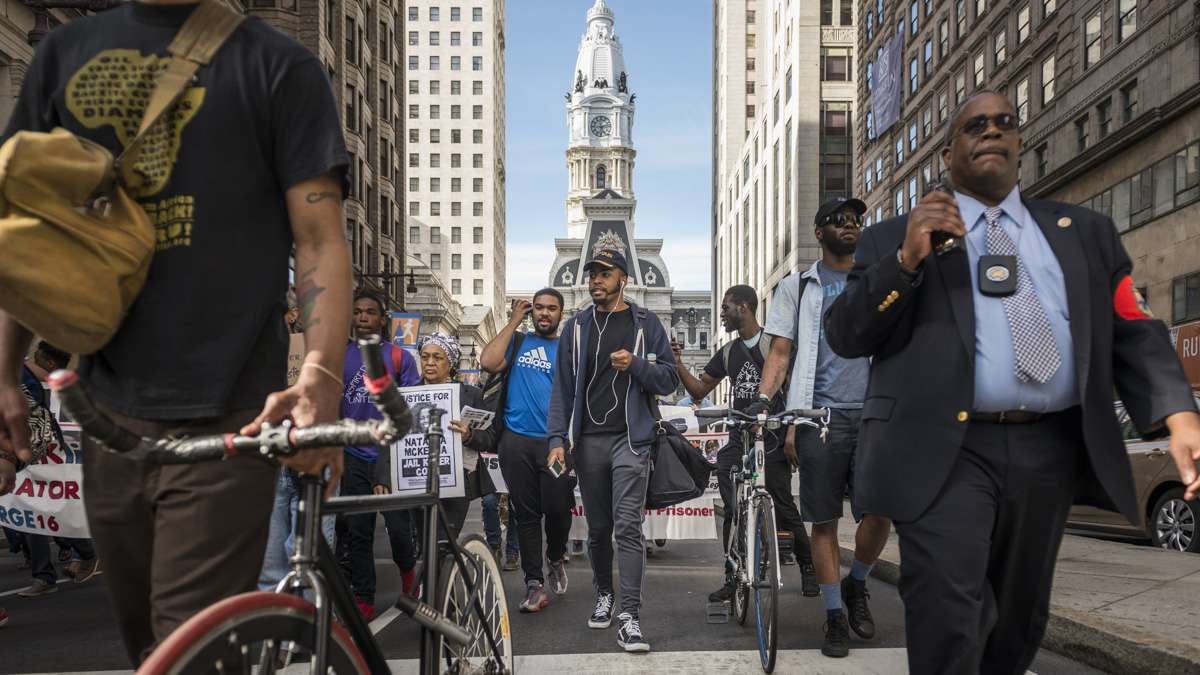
pixel 601 126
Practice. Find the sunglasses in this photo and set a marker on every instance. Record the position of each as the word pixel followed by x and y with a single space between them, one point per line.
pixel 978 124
pixel 843 220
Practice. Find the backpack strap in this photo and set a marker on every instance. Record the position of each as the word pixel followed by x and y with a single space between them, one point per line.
pixel 194 46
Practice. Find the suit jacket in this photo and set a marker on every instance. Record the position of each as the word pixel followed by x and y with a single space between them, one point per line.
pixel 922 338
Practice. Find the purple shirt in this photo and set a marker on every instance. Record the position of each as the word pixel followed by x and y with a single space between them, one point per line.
pixel 356 401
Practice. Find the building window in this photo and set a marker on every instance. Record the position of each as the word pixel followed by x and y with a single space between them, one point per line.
pixel 477 261
pixel 980 8
pixel 435 208
pixel 477 233
pixel 414 86
pixel 1104 117
pixel 455 87
pixel 435 112
pixel 477 135
pixel 477 286
pixel 898 200
pixel 455 38
pixel 1091 39
pixel 1129 101
pixel 836 169
pixel 836 64
pixel 1041 156
pixel 750 16
pixel 870 26
pixel 943 39
pixel 435 135
pixel 960 15
pixel 456 14
pixel 477 161
pixel 1048 80
pixel 435 63
pixel 414 63
pixel 414 209
pixel 456 184
pixel 414 160
pixel 914 17
pixel 912 76
pixel 455 63
pixel 1048 7
pixel 928 54
pixel 847 13
pixel 435 185
pixel 476 39
pixel 979 66
pixel 435 261
pixel 476 185
pixel 1000 48
pixel 601 174
pixel 456 261
pixel 1127 23
pixel 456 208
pixel 750 64
pixel 477 87
pixel 1022 25
pixel 456 112
pixel 477 209
pixel 1023 100
pixel 477 14
pixel 787 85
pixel 899 152
pixel 912 193
pixel 476 63
pixel 927 122
pixel 435 39
pixel 435 87
pixel 414 135
pixel 351 109
pixel 351 34
pixel 456 286
pixel 1185 298
pixel 912 137
pixel 943 106
pixel 456 135
pixel 412 13
pixel 414 233
pixel 826 12
pixel 435 13
pixel 960 87
pixel 1187 174
pixel 1081 133
pixel 414 38
pixel 477 112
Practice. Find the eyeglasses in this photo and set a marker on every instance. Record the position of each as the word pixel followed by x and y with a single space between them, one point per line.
pixel 978 124
pixel 842 220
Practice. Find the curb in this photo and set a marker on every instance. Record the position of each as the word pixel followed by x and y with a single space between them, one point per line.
pixel 1089 639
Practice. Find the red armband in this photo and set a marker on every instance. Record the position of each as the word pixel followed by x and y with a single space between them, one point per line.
pixel 1128 303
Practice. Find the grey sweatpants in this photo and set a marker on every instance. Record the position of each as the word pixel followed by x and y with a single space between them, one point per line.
pixel 612 483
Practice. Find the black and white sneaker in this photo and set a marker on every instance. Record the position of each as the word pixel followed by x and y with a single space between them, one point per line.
pixel 558 577
pixel 602 616
pixel 629 635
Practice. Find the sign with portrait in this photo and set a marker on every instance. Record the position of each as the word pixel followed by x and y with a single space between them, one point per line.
pixel 410 454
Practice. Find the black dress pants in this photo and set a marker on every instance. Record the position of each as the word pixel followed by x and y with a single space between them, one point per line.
pixel 977 566
pixel 535 494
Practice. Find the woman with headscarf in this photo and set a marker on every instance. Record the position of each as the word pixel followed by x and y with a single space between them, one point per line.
pixel 440 355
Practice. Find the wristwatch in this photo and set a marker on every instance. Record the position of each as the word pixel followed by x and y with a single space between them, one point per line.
pixel 763 398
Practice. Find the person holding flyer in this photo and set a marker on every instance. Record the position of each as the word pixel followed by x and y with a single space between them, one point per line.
pixel 440 354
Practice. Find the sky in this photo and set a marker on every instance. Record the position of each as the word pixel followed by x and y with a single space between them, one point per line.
pixel 668 54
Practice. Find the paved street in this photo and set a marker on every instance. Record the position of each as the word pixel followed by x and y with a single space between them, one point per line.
pixel 679 577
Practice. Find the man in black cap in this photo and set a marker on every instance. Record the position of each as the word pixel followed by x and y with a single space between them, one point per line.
pixel 822 379
pixel 612 358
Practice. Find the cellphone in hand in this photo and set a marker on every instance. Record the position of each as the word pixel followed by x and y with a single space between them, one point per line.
pixel 943 243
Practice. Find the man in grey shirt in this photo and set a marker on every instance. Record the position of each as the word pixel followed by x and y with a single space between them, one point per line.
pixel 822 379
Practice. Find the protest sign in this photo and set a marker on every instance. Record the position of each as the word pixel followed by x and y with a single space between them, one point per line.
pixel 409 454
pixel 695 519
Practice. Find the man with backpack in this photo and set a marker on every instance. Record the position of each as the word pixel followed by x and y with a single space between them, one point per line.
pixel 355 541
pixel 244 173
pixel 522 367
pixel 615 359
pixel 741 360
pixel 822 379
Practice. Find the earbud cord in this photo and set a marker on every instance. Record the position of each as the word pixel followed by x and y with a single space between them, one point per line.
pixel 596 371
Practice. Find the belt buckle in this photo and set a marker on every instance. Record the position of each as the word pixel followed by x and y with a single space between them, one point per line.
pixel 1000 419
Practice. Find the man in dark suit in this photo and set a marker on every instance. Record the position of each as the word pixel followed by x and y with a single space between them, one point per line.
pixel 990 403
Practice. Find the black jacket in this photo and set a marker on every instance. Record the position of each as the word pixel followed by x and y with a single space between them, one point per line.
pixel 923 343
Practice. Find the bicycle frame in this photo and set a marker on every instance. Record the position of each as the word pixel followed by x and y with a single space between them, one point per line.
pixel 752 488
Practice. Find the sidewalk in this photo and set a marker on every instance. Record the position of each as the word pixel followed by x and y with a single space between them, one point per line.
pixel 1119 607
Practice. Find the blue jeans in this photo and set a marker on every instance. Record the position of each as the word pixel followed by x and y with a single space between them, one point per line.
pixel 491 525
pixel 281 541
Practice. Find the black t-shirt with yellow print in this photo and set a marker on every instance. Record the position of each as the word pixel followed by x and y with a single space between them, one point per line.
pixel 206 336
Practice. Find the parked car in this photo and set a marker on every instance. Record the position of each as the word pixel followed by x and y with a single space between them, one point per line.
pixel 1167 520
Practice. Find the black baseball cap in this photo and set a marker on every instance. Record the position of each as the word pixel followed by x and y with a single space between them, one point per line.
pixel 837 204
pixel 608 258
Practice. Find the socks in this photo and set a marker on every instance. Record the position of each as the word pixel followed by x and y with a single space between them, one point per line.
pixel 859 570
pixel 831 597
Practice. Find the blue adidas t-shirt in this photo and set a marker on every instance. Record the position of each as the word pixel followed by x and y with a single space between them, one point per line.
pixel 529 383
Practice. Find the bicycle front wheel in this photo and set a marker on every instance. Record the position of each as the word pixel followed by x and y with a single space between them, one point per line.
pixel 456 597
pixel 766 583
pixel 253 632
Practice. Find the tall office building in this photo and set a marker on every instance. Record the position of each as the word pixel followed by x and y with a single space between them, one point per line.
pixel 1106 96
pixel 783 101
pixel 455 138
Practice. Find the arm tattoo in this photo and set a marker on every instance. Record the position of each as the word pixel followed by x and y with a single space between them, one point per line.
pixel 307 292
pixel 314 197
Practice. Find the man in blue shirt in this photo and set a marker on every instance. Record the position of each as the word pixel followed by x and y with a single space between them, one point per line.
pixel 534 493
pixel 355 541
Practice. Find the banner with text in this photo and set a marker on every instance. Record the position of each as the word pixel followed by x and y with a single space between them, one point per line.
pixel 409 453
pixel 48 498
pixel 695 519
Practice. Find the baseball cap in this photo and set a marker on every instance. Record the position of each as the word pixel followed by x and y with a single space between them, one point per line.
pixel 608 258
pixel 837 204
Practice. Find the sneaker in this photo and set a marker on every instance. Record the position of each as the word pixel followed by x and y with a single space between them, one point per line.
pixel 722 594
pixel 86 569
pixel 809 587
pixel 39 588
pixel 837 635
pixel 3 617
pixel 602 616
pixel 366 608
pixel 629 636
pixel 408 581
pixel 558 577
pixel 536 598
pixel 854 594
pixel 786 558
pixel 512 561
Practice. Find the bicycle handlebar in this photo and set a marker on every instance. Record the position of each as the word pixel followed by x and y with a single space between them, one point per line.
pixel 273 441
pixel 786 417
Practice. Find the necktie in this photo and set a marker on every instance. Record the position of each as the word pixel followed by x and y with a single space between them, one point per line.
pixel 1035 353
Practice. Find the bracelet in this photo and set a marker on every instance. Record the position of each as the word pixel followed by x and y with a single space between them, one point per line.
pixel 323 369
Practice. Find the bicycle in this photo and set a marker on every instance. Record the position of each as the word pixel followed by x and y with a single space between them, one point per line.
pixel 464 620
pixel 753 552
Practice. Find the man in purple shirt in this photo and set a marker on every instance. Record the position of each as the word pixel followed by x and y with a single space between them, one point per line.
pixel 355 540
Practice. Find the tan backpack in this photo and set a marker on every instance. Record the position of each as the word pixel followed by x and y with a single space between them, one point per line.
pixel 76 245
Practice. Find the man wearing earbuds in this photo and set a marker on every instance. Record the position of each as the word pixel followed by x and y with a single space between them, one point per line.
pixel 612 359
